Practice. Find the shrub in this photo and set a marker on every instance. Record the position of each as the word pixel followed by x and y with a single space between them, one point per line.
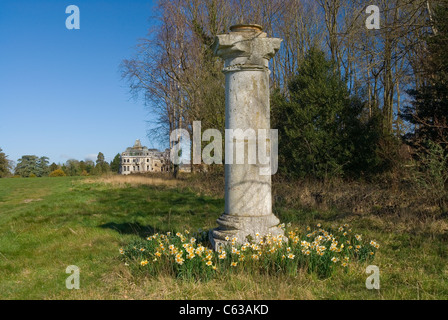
pixel 57 173
pixel 320 128
pixel 431 174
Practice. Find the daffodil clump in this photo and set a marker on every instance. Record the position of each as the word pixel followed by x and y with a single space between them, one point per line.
pixel 188 256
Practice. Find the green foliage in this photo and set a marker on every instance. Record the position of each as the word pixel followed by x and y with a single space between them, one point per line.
pixel 32 165
pixel 72 167
pixel 42 166
pixel 100 158
pixel 4 165
pixel 102 166
pixel 53 167
pixel 431 174
pixel 320 131
pixel 115 164
pixel 89 166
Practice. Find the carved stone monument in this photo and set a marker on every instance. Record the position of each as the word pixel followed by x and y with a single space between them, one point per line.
pixel 246 51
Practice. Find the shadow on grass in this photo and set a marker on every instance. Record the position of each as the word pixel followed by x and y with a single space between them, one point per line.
pixel 146 210
pixel 134 228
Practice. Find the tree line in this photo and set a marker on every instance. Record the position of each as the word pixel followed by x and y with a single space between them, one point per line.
pixel 347 101
pixel 34 166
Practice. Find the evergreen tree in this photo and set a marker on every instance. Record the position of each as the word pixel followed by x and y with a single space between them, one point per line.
pixel 27 165
pixel 102 166
pixel 42 167
pixel 115 164
pixel 320 134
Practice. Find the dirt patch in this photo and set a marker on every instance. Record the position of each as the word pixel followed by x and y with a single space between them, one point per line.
pixel 31 200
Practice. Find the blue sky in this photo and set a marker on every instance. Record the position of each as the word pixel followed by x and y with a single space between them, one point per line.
pixel 61 93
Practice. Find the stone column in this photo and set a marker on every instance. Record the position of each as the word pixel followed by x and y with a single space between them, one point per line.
pixel 246 51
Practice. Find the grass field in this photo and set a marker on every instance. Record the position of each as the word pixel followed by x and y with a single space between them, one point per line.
pixel 47 224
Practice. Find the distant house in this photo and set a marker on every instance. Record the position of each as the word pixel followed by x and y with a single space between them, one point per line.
pixel 139 159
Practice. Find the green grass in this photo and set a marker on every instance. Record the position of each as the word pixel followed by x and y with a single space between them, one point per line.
pixel 47 224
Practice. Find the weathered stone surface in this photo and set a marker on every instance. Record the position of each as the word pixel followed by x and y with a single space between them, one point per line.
pixel 248 205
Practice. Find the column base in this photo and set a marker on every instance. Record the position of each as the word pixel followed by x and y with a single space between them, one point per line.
pixel 242 227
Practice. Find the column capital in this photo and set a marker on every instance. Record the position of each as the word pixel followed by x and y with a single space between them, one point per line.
pixel 245 47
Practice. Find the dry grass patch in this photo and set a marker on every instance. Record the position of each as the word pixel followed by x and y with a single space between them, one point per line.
pixel 133 181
